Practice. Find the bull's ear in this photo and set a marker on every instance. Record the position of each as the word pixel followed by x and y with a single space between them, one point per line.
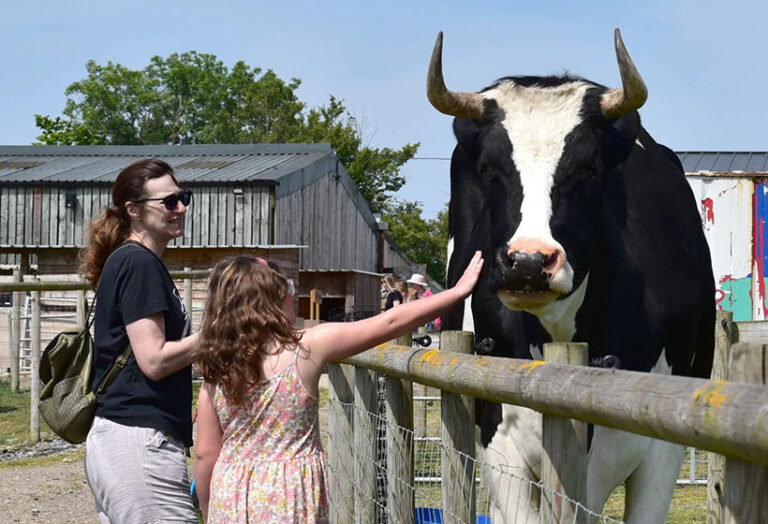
pixel 620 138
pixel 467 134
pixel 628 125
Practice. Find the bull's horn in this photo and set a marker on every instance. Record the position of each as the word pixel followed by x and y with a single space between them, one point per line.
pixel 454 103
pixel 632 95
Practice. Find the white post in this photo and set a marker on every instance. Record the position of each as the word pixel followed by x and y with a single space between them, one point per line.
pixel 35 375
pixel 82 307
pixel 16 332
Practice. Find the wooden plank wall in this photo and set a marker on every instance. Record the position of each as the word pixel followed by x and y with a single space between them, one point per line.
pixel 323 217
pixel 219 216
pixel 393 259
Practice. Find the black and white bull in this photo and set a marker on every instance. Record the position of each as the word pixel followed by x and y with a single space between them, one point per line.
pixel 591 234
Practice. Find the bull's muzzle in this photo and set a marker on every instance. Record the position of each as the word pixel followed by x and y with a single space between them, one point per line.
pixel 527 270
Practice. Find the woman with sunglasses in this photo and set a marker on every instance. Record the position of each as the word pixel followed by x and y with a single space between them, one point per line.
pixel 135 451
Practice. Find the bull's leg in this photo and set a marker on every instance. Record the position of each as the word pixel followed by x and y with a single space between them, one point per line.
pixel 514 460
pixel 651 487
pixel 613 456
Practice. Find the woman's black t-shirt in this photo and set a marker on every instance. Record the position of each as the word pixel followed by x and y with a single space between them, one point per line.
pixel 135 284
pixel 390 303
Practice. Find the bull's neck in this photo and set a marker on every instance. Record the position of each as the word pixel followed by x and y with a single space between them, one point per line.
pixel 559 317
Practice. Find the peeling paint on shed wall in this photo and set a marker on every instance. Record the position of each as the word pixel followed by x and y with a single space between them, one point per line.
pixel 734 212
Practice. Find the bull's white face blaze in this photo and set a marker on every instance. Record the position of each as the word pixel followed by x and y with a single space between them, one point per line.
pixel 537 121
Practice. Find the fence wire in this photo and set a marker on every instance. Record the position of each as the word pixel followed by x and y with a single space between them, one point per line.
pixel 521 494
pixel 426 488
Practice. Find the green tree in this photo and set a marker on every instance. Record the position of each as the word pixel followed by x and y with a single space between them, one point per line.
pixel 425 241
pixel 194 98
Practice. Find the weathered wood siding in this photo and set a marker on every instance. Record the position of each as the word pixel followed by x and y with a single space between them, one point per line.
pixel 220 215
pixel 394 258
pixel 38 216
pixel 323 216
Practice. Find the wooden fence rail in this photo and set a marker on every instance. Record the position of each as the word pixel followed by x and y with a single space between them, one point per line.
pixel 36 287
pixel 729 418
pixel 724 417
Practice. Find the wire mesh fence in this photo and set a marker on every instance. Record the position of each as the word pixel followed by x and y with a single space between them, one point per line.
pixel 426 486
pixel 521 495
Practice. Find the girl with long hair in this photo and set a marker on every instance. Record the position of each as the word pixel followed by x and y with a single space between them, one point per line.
pixel 258 451
pixel 135 450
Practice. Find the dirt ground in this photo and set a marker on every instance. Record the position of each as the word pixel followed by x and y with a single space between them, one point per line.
pixel 52 493
pixel 56 492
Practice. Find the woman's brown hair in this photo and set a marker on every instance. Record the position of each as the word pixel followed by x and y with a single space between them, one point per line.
pixel 395 284
pixel 243 319
pixel 114 225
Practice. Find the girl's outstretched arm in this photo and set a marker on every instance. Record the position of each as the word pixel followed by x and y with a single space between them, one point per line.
pixel 337 341
pixel 207 446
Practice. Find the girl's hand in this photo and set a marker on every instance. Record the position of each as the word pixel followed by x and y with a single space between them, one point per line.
pixel 468 280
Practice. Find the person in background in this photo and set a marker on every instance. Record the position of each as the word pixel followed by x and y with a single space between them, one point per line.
pixel 420 289
pixel 396 291
pixel 135 451
pixel 419 286
pixel 258 455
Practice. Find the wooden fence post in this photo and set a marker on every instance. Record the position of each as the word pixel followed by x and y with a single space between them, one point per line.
pixel 745 493
pixel 564 462
pixel 340 444
pixel 400 493
pixel 34 374
pixel 458 432
pixel 366 383
pixel 724 330
pixel 17 297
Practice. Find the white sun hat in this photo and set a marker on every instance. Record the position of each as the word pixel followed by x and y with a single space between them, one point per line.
pixel 418 280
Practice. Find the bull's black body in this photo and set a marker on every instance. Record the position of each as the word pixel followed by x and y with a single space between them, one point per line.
pixel 624 215
pixel 590 233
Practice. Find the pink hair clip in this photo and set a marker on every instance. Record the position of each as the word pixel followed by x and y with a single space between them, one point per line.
pixel 263 261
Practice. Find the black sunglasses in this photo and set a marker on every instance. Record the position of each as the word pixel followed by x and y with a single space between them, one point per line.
pixel 171 201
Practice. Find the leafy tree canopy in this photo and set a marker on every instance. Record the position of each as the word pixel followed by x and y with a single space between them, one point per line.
pixel 194 98
pixel 424 240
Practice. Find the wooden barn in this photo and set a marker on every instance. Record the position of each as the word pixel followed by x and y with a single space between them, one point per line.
pixel 294 203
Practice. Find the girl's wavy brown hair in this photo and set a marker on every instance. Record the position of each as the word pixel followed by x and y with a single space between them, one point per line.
pixel 114 225
pixel 243 319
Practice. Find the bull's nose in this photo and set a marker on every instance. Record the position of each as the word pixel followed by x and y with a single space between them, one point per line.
pixel 523 271
pixel 529 267
pixel 527 263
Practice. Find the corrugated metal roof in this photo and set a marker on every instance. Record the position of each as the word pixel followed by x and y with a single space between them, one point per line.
pixel 192 163
pixel 724 161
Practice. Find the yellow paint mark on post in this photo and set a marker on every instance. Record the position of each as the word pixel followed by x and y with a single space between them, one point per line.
pixel 427 357
pixel 453 361
pixel 711 394
pixel 528 367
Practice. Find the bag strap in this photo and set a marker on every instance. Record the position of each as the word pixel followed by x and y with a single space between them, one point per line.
pixel 119 364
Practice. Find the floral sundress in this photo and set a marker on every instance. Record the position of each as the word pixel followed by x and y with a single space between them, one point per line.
pixel 271 467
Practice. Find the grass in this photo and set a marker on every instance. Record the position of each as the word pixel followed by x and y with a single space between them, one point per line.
pixel 15 417
pixel 689 505
pixel 74 456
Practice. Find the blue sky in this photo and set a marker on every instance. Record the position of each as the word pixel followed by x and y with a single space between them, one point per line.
pixel 703 61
